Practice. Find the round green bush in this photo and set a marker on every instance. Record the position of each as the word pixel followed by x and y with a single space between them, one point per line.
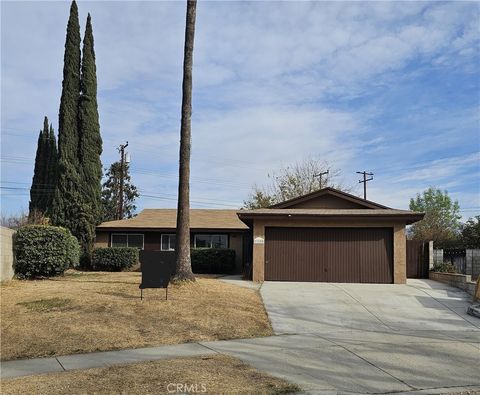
pixel 114 259
pixel 44 251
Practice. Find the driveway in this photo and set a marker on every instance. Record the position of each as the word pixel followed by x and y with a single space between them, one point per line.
pixel 367 338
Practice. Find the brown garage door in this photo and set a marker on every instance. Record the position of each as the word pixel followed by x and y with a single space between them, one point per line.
pixel 348 255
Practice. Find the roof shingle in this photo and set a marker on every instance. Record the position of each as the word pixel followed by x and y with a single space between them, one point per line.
pixel 167 219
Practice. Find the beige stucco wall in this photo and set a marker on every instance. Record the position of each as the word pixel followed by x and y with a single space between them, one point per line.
pixel 399 241
pixel 7 259
pixel 399 254
pixel 101 239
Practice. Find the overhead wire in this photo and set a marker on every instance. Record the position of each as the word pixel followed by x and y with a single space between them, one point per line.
pixel 150 195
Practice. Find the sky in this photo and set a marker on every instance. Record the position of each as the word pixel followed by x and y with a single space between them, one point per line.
pixel 388 87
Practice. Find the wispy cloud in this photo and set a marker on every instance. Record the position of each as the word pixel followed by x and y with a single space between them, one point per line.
pixel 388 86
pixel 445 169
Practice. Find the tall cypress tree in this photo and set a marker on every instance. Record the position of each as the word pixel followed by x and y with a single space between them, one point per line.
pixel 40 186
pixel 67 205
pixel 51 174
pixel 90 143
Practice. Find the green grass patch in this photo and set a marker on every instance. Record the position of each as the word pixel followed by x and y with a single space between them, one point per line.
pixel 46 305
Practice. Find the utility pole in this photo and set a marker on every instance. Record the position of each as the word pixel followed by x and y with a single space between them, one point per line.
pixel 121 150
pixel 364 181
pixel 320 176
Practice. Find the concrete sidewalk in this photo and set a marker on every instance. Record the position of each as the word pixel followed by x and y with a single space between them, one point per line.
pixel 28 367
pixel 236 279
pixel 336 362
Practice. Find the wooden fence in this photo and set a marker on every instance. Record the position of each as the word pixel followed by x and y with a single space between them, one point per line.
pixel 417 259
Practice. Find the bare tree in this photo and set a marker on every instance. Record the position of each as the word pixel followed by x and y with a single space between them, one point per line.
pixel 15 221
pixel 183 269
pixel 295 180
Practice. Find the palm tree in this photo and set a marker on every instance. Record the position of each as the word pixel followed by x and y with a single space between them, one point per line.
pixel 183 270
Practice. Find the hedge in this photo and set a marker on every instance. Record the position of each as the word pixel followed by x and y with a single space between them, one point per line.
pixel 43 251
pixel 213 260
pixel 114 259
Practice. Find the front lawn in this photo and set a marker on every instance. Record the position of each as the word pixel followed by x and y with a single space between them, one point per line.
pixel 218 374
pixel 85 312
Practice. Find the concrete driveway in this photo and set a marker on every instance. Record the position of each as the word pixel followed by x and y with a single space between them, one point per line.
pixel 367 338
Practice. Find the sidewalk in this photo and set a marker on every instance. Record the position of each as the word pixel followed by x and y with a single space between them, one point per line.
pixel 236 279
pixel 27 367
pixel 342 360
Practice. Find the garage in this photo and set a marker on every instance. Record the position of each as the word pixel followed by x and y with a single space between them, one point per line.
pixel 329 236
pixel 348 255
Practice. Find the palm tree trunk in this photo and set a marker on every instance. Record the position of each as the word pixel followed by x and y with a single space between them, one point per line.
pixel 183 269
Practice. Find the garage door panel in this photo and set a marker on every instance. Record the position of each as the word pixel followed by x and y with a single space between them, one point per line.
pixel 329 254
pixel 291 257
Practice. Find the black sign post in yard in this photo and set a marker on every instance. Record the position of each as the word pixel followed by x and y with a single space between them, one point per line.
pixel 156 272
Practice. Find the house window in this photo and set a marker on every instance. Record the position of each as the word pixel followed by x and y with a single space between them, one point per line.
pixel 127 240
pixel 210 241
pixel 168 242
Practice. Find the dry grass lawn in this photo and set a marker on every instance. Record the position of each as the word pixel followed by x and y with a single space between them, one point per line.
pixel 217 374
pixel 84 312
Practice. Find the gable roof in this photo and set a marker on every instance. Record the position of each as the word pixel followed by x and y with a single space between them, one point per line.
pixel 332 192
pixel 167 219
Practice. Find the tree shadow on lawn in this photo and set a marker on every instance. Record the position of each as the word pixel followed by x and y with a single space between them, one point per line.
pixel 123 295
pixel 99 281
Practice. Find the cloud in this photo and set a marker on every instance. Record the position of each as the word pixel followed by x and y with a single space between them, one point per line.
pixel 444 168
pixel 380 85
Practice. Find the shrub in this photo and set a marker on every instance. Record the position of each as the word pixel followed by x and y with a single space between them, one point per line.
pixel 43 251
pixel 114 259
pixel 445 267
pixel 213 260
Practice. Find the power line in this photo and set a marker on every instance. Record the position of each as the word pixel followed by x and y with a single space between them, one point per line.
pixel 319 175
pixel 199 202
pixel 230 162
pixel 45 188
pixel 364 181
pixel 209 181
pixel 121 150
pixel 152 195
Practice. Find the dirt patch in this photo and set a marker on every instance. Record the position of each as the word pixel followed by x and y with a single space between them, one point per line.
pixel 85 312
pixel 214 375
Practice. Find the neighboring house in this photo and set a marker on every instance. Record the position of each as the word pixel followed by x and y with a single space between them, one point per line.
pixel 327 235
pixel 154 230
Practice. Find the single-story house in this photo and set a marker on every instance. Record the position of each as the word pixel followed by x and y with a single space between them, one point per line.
pixel 327 236
pixel 154 230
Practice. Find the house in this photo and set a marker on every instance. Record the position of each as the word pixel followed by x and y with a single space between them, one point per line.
pixel 327 235
pixel 154 230
pixel 331 236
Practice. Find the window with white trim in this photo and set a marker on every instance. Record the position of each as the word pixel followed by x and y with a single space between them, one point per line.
pixel 127 240
pixel 210 241
pixel 168 242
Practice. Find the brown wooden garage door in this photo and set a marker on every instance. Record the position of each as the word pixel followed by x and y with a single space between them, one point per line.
pixel 348 255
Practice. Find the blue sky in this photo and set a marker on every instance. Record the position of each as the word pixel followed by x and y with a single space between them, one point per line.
pixel 388 87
